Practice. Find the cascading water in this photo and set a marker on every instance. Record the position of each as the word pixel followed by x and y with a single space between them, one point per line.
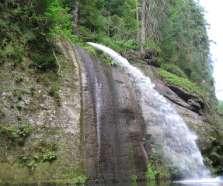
pixel 167 128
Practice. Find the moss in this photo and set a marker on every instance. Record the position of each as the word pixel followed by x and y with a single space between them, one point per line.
pixel 181 82
pixel 173 69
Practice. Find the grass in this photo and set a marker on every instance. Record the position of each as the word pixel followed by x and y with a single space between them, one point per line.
pixel 184 83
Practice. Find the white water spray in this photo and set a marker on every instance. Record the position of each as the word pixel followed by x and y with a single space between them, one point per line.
pixel 218 181
pixel 170 133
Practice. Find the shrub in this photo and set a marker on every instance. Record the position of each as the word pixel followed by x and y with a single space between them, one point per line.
pixel 119 45
pixel 152 45
pixel 151 172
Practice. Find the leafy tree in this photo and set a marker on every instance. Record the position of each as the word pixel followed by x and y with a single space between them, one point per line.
pixel 185 41
pixel 58 15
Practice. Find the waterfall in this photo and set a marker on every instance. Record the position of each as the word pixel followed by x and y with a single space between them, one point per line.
pixel 99 111
pixel 176 142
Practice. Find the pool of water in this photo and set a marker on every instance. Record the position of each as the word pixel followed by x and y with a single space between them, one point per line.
pixel 166 183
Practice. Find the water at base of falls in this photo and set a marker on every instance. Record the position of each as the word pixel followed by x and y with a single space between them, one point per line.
pixel 164 183
pixel 167 129
pixel 218 181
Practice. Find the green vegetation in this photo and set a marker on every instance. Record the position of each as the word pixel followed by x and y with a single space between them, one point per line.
pixel 54 92
pixel 151 172
pixel 134 180
pixel 156 171
pixel 75 176
pixel 185 41
pixel 23 30
pixel 81 179
pixel 27 30
pixel 41 153
pixel 174 69
pixel 181 82
pixel 60 19
pixel 15 135
pixel 175 29
pixel 178 34
pixel 121 46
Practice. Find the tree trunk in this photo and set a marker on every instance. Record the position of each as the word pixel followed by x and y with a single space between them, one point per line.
pixel 152 13
pixel 142 32
pixel 138 21
pixel 75 13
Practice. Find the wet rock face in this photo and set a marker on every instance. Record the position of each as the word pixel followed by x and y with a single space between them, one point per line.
pixel 113 127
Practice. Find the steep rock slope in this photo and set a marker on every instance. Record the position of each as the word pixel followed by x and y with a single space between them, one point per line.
pixel 85 122
pixel 39 123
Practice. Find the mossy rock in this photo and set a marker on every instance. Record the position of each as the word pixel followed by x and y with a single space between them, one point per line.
pixel 184 83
